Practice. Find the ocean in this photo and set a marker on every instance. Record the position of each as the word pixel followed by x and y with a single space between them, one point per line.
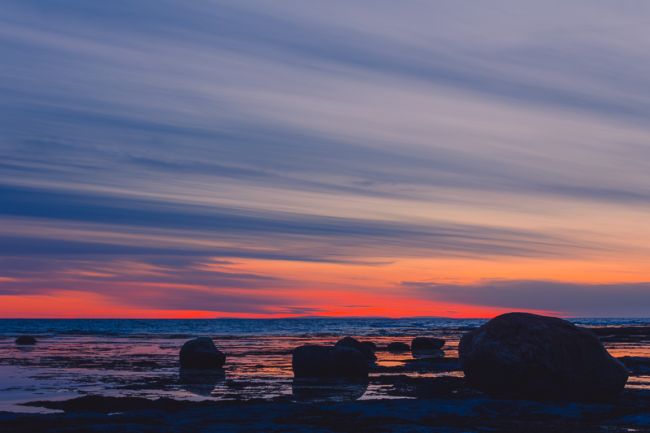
pixel 140 357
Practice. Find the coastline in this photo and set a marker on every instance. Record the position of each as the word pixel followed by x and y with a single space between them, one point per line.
pixel 137 393
pixel 449 414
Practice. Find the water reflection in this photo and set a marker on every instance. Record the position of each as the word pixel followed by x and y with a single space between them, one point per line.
pixel 320 390
pixel 429 354
pixel 200 382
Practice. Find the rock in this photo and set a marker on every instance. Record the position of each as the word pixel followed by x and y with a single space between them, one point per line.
pixel 369 345
pixel 353 343
pixel 539 357
pixel 397 347
pixel 25 340
pixel 637 365
pixel 426 344
pixel 326 361
pixel 201 353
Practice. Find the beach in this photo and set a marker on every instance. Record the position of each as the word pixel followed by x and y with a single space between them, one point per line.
pixel 87 374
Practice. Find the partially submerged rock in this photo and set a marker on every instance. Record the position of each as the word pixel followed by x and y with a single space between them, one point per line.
pixel 398 347
pixel 427 347
pixel 201 353
pixel 26 340
pixel 326 362
pixel 532 356
pixel 426 344
pixel 366 348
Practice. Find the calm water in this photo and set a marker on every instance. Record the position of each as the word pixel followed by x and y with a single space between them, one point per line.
pixel 140 357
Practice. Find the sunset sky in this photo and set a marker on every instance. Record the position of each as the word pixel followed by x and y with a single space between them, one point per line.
pixel 176 158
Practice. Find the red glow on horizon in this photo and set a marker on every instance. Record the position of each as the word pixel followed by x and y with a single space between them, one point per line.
pixel 93 306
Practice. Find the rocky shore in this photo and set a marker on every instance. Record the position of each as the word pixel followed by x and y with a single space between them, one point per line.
pixel 517 373
pixel 450 407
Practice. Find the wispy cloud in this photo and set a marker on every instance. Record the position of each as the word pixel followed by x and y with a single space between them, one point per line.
pixel 335 132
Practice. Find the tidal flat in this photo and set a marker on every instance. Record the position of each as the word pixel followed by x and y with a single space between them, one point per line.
pixel 84 376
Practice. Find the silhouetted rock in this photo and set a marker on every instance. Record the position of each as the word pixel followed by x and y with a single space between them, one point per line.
pixel 201 353
pixel 327 361
pixel 531 356
pixel 364 348
pixel 426 343
pixel 397 347
pixel 370 345
pixel 427 347
pixel 25 340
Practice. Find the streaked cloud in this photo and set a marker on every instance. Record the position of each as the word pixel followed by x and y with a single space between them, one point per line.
pixel 568 299
pixel 354 133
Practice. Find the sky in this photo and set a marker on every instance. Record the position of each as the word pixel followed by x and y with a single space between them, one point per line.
pixel 173 158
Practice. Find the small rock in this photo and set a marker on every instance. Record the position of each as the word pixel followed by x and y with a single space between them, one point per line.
pixel 370 345
pixel 25 340
pixel 326 361
pixel 352 343
pixel 426 344
pixel 397 347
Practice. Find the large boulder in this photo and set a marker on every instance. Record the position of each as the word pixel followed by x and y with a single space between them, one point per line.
pixel 201 353
pixel 25 340
pixel 328 362
pixel 539 357
pixel 367 348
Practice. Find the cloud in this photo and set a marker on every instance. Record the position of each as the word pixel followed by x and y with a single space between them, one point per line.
pixel 333 131
pixel 567 298
pixel 347 236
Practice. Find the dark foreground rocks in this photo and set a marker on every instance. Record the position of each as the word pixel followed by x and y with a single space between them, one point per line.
pixel 367 348
pixel 531 356
pixel 440 413
pixel 201 353
pixel 328 362
pixel 26 340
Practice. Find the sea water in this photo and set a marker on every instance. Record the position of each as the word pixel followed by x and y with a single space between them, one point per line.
pixel 140 357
